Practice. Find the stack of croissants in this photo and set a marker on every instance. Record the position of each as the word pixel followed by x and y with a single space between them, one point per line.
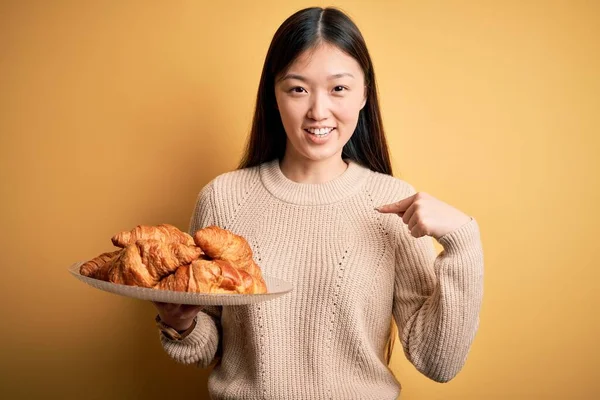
pixel 162 257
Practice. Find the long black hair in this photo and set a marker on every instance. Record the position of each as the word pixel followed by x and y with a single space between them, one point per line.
pixel 300 32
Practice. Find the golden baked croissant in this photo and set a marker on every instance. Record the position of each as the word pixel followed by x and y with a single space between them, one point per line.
pixel 164 232
pixel 145 262
pixel 163 257
pixel 97 267
pixel 221 244
pixel 212 276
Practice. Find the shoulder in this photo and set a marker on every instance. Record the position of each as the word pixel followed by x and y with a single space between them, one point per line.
pixel 231 186
pixel 222 196
pixel 383 188
pixel 237 180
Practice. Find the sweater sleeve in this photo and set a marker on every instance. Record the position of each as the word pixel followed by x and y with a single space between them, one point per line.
pixel 437 299
pixel 201 345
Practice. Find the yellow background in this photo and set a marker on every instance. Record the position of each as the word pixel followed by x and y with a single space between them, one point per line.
pixel 114 114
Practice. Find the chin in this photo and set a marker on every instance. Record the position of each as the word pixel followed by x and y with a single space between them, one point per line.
pixel 307 152
pixel 323 156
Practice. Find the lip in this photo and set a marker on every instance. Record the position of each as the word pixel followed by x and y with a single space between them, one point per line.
pixel 319 127
pixel 319 140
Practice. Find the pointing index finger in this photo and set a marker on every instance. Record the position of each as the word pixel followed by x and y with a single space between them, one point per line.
pixel 397 207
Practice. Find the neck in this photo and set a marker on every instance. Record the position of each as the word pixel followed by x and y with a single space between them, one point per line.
pixel 309 171
pixel 346 184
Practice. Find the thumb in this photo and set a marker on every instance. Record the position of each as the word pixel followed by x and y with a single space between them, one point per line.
pixel 397 207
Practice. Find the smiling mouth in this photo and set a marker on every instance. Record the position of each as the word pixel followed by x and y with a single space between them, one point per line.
pixel 319 131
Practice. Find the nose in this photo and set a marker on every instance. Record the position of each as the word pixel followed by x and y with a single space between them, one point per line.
pixel 319 107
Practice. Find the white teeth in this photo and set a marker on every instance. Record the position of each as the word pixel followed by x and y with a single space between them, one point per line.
pixel 320 131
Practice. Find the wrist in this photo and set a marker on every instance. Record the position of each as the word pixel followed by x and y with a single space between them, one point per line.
pixel 178 332
pixel 177 324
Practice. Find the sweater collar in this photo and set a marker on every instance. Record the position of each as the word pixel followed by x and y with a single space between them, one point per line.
pixel 339 188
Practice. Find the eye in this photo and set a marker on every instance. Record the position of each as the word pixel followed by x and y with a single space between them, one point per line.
pixel 340 88
pixel 297 89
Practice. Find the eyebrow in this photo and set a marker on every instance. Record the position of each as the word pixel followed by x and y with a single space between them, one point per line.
pixel 303 79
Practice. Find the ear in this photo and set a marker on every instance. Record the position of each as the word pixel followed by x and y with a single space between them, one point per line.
pixel 365 99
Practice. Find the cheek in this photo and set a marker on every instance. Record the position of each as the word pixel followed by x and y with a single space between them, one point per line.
pixel 348 113
pixel 290 112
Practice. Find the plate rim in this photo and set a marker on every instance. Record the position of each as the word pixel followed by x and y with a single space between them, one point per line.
pixel 191 297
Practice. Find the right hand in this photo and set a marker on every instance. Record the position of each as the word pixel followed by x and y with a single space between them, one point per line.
pixel 177 316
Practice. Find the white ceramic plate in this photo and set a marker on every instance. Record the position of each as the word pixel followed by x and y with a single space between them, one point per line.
pixel 275 288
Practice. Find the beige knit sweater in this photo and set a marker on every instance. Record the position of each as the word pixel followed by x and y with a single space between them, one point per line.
pixel 352 269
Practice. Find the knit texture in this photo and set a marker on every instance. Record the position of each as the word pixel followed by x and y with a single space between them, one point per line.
pixel 352 269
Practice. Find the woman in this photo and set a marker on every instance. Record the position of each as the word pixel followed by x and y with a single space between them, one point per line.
pixel 316 199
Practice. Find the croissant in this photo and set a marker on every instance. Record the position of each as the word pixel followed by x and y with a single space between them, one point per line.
pixel 212 276
pixel 214 261
pixel 97 268
pixel 164 232
pixel 221 244
pixel 145 263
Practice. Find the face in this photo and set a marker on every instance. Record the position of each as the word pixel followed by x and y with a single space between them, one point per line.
pixel 319 99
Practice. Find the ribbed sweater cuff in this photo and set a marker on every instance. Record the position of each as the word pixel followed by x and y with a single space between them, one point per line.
pixel 462 261
pixel 462 239
pixel 199 347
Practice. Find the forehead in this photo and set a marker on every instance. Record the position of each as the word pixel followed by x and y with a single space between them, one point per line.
pixel 324 60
